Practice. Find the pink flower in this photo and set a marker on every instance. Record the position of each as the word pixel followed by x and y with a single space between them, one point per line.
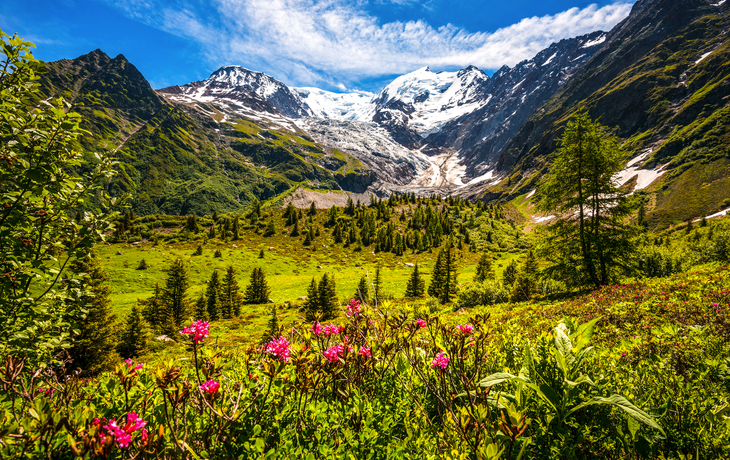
pixel 365 351
pixel 211 387
pixel 316 329
pixel 466 328
pixel 279 348
pixel 123 434
pixel 331 329
pixel 333 353
pixel 130 364
pixel 197 331
pixel 440 360
pixel 353 308
pixel 420 322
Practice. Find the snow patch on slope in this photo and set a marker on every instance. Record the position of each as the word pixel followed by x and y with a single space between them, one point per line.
pixel 338 106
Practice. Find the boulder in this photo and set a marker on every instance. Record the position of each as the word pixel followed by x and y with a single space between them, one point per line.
pixel 408 264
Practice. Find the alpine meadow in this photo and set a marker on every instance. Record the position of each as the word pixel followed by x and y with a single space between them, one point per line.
pixel 531 262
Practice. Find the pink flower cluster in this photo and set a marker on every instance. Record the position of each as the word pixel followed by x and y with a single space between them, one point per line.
pixel 353 308
pixel 279 348
pixel 329 329
pixel 46 391
pixel 211 387
pixel 130 364
pixel 333 353
pixel 197 331
pixel 440 360
pixel 365 351
pixel 123 434
pixel 466 328
pixel 420 323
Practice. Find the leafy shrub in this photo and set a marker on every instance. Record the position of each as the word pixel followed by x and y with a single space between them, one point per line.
pixel 658 261
pixel 489 292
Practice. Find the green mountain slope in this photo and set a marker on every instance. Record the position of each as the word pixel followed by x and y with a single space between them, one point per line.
pixel 662 81
pixel 175 160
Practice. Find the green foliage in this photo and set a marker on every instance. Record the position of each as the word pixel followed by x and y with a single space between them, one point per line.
pixel 174 297
pixel 510 273
pixel 489 292
pixel 273 331
pixel 134 338
pixel 230 294
pixel 93 344
pixel 213 297
pixel 443 278
pixel 198 250
pixel 142 265
pixel 484 270
pixel 322 302
pixel 526 283
pixel 45 181
pixel 363 290
pixel 416 286
pixel 257 291
pixel 592 243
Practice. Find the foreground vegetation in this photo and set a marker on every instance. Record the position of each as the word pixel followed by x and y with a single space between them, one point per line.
pixel 429 329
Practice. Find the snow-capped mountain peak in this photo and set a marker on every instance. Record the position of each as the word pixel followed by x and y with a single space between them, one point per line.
pixel 356 106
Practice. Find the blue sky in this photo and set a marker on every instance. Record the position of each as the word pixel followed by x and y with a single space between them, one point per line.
pixel 332 44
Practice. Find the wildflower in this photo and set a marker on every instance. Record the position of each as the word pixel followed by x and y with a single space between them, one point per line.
pixel 197 331
pixel 440 360
pixel 333 353
pixel 466 328
pixel 420 322
pixel 365 351
pixel 211 387
pixel 353 308
pixel 279 348
pixel 316 328
pixel 331 329
pixel 130 364
pixel 123 434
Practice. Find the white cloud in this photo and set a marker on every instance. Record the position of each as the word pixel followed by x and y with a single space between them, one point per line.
pixel 307 42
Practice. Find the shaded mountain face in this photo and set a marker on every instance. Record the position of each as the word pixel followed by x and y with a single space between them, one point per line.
pixel 662 82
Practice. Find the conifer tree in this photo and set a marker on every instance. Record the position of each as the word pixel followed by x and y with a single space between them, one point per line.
pixel 484 269
pixel 261 254
pixel 135 335
pixel 272 328
pixel 311 305
pixel 154 309
pixel 96 336
pixel 327 297
pixel 437 277
pixel 526 283
pixel 201 308
pixel 230 294
pixel 295 230
pixel 312 209
pixel 213 294
pixel 448 286
pixel 289 213
pixel 211 232
pixel 177 305
pixel 236 228
pixel 363 290
pixel 257 291
pixel 416 286
pixel 377 285
pixel 270 228
pixel 510 273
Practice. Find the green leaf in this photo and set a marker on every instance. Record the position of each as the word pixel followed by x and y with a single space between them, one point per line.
pixel 496 379
pixel 584 334
pixel 623 404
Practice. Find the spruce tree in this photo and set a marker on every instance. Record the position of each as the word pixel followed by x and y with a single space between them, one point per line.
pixel 261 254
pixel 135 335
pixel 213 294
pixel 236 228
pixel 295 230
pixel 96 336
pixel 510 273
pixel 437 277
pixel 312 209
pixel 257 291
pixel 526 282
pixel 448 286
pixel 327 297
pixel 201 308
pixel 154 309
pixel 363 290
pixel 177 305
pixel 272 328
pixel 416 286
pixel 270 228
pixel 311 305
pixel 230 294
pixel 484 269
pixel 377 285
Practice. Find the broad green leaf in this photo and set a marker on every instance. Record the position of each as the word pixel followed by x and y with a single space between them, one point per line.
pixel 496 379
pixel 623 404
pixel 584 334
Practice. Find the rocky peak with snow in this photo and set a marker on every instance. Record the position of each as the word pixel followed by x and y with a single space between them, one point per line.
pixel 257 90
